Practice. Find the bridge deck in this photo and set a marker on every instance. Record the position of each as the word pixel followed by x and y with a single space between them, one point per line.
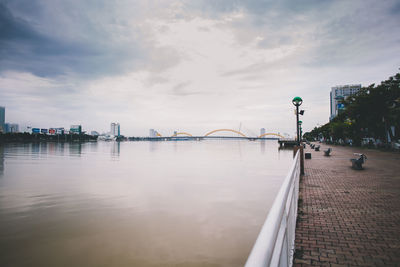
pixel 168 138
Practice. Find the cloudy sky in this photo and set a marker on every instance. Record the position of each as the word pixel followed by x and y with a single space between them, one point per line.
pixel 188 65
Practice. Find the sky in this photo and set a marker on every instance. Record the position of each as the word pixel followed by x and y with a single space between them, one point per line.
pixel 190 66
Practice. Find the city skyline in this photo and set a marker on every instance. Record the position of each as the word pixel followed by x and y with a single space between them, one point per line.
pixel 189 66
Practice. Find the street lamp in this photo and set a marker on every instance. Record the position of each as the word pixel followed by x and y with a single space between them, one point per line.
pixel 301 129
pixel 297 101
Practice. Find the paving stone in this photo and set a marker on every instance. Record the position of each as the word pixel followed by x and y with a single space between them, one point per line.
pixel 349 217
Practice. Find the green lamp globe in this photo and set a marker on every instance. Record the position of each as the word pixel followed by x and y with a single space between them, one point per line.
pixel 297 101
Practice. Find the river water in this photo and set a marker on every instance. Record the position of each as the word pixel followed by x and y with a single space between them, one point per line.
pixel 173 203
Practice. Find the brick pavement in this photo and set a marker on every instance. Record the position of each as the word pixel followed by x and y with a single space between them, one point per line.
pixel 348 217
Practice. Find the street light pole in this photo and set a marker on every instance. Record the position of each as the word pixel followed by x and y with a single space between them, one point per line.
pixel 300 129
pixel 297 101
pixel 297 125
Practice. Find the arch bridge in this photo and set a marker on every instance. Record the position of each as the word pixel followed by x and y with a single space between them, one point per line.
pixel 181 133
pixel 225 130
pixel 275 134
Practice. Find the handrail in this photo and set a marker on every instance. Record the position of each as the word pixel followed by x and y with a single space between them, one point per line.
pixel 275 243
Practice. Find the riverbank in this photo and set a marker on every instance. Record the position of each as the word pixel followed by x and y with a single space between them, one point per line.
pixel 27 137
pixel 349 217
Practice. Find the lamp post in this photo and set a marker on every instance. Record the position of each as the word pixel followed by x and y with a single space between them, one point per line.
pixel 297 101
pixel 300 129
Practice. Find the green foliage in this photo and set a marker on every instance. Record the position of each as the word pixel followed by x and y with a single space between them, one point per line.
pixel 369 113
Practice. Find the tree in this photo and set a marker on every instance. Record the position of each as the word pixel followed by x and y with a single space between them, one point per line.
pixel 372 112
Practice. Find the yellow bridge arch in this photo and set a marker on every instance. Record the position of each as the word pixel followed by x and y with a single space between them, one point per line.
pixel 182 133
pixel 261 136
pixel 225 130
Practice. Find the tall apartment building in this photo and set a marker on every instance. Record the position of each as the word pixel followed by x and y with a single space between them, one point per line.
pixel 115 129
pixel 338 94
pixel 262 131
pixel 11 128
pixel 152 133
pixel 75 129
pixel 2 119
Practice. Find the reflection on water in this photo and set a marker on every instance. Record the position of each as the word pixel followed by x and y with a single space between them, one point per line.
pixel 262 145
pixel 136 203
pixel 75 149
pixel 1 160
pixel 115 149
pixel 35 148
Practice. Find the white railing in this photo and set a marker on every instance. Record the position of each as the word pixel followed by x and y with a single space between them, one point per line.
pixel 275 243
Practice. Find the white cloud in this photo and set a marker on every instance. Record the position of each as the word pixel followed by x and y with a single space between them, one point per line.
pixel 191 66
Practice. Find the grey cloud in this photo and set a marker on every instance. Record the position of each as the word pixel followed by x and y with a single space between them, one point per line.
pixel 275 41
pixel 326 33
pixel 96 38
pixel 257 7
pixel 179 90
pixel 251 69
pixel 59 38
pixel 348 38
pixel 155 79
pixel 395 8
pixel 12 28
pixel 68 40
pixel 251 88
pixel 181 86
pixel 277 22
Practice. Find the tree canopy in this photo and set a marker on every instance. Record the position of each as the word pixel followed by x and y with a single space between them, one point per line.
pixel 373 112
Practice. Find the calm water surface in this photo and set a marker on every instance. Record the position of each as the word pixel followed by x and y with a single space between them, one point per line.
pixel 136 203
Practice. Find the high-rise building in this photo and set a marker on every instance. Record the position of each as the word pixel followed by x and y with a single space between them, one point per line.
pixel 340 93
pixel 11 128
pixel 75 129
pixel 262 131
pixel 2 119
pixel 153 133
pixel 115 129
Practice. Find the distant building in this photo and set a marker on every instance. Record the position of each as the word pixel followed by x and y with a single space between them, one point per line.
pixel 75 129
pixel 94 133
pixel 11 128
pixel 28 129
pixel 152 133
pixel 115 129
pixel 262 131
pixel 340 93
pixel 2 119
pixel 60 130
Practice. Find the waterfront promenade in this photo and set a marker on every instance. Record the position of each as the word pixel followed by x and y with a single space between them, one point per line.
pixel 348 217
